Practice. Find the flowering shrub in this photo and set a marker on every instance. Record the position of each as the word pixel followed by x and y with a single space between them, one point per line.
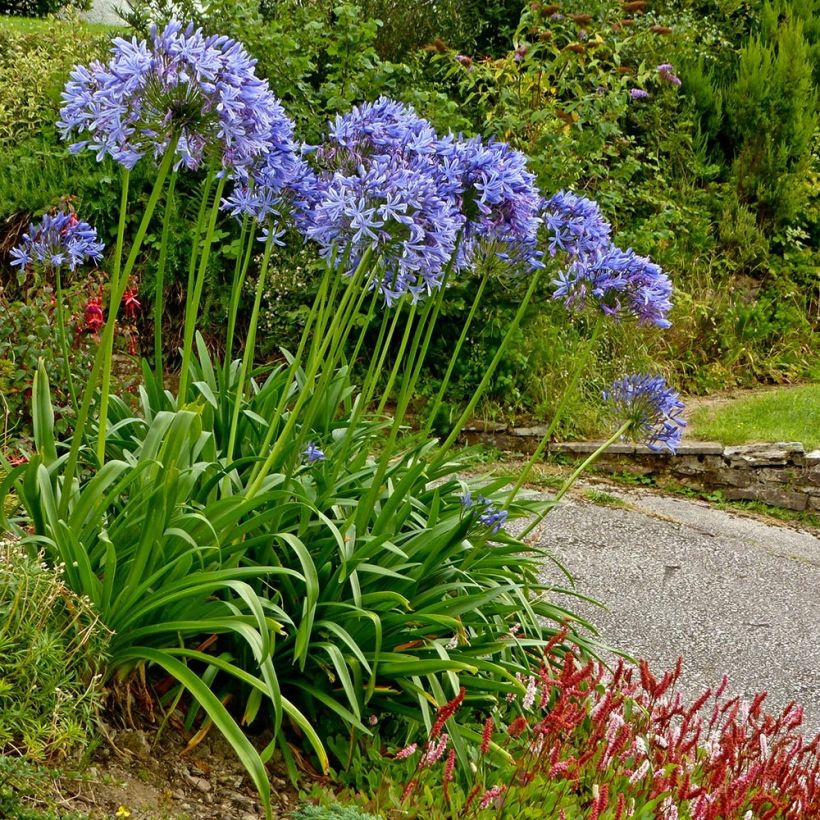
pixel 618 744
pixel 278 534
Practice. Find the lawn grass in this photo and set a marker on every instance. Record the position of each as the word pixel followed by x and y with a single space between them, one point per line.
pixel 31 25
pixel 790 414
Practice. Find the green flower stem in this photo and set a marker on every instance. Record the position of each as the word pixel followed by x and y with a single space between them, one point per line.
pixel 580 364
pixel 488 374
pixel 419 360
pixel 366 506
pixel 584 465
pixel 194 296
pixel 379 356
pixel 119 282
pixel 365 325
pixel 103 360
pixel 294 366
pixel 63 341
pixel 243 261
pixel 445 382
pixel 262 471
pixel 394 372
pixel 159 287
pixel 250 346
pixel 332 361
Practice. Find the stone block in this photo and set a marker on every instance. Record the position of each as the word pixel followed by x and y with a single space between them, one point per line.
pixel 700 448
pixel 765 455
pixel 529 432
pixel 813 459
pixel 732 477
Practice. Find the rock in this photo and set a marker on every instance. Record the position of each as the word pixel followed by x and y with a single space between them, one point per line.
pixel 199 783
pixel 529 432
pixel 765 455
pixel 813 459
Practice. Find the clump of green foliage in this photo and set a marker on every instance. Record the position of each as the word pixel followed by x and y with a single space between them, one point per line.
pixel 34 66
pixel 51 648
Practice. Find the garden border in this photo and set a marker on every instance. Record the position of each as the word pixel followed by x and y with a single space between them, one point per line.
pixel 781 474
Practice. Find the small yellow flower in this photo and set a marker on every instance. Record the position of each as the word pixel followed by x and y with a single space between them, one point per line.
pixel 123 812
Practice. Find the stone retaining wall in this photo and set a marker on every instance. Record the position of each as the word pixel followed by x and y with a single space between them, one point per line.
pixel 781 474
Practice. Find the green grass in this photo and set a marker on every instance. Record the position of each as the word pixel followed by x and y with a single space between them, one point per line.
pixel 31 25
pixel 790 414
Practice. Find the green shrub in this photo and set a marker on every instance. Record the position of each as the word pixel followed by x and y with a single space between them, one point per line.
pixel 34 66
pixel 334 811
pixel 40 8
pixel 52 647
pixel 771 117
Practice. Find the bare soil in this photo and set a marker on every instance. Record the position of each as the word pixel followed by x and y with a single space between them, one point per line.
pixel 136 776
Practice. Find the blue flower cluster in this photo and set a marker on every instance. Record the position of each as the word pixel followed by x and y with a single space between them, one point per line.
pixel 385 181
pixel 378 187
pixel 59 240
pixel 180 83
pixel 619 282
pixel 576 226
pixel 490 516
pixel 274 187
pixel 499 202
pixel 651 407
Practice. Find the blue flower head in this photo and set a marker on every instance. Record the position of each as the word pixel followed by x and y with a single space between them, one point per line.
pixel 620 283
pixel 203 89
pixel 377 186
pixel 651 407
pixel 498 200
pixel 58 240
pixel 576 226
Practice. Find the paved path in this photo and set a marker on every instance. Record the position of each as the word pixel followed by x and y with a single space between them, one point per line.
pixel 728 593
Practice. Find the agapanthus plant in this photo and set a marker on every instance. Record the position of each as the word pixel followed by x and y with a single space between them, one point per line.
pixel 288 505
pixel 650 409
pixel 60 240
pixel 179 85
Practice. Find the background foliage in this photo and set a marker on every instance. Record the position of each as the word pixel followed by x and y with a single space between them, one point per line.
pixel 715 179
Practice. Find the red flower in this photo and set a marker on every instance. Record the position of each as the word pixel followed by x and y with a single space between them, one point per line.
pixel 94 316
pixel 16 461
pixel 131 305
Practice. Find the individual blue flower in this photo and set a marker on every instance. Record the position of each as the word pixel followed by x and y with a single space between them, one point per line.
pixel 493 517
pixel 619 283
pixel 497 196
pixel 638 93
pixel 313 453
pixel 58 239
pixel 201 89
pixel 651 408
pixel 576 226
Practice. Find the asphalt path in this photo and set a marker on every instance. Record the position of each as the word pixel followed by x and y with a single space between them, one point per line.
pixel 726 592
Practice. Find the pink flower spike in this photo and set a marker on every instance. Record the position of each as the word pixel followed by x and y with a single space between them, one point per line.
pixel 406 751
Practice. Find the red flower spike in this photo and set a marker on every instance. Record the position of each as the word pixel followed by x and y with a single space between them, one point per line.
pixel 487 734
pixel 446 712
